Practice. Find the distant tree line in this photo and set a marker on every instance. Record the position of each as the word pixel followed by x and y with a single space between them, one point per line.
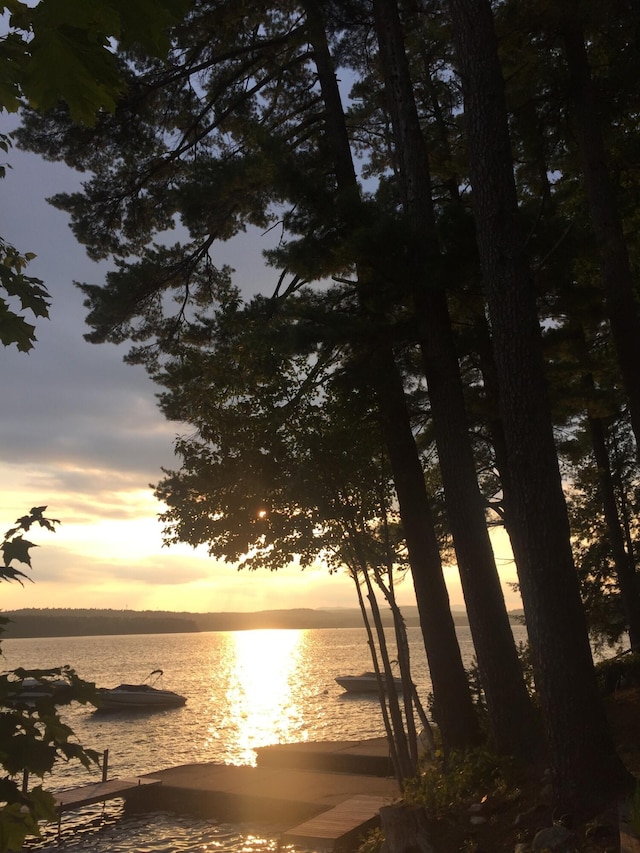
pixel 66 622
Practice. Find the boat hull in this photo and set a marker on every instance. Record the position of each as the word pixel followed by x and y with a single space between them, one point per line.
pixel 366 683
pixel 137 697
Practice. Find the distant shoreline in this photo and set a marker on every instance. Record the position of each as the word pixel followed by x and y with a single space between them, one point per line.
pixel 69 622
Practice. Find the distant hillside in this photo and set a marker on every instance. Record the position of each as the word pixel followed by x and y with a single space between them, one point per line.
pixel 66 622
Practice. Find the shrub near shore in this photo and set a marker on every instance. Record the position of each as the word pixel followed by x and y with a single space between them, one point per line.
pixel 482 803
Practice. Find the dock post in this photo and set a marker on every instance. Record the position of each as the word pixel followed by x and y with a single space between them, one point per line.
pixel 25 780
pixel 105 764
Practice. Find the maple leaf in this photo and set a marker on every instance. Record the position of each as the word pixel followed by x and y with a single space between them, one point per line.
pixel 17 549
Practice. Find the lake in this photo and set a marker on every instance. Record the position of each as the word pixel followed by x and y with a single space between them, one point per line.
pixel 244 689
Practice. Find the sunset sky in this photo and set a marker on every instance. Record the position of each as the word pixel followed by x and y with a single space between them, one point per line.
pixel 80 432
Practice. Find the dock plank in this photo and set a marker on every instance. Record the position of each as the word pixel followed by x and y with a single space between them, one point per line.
pixel 86 795
pixel 326 830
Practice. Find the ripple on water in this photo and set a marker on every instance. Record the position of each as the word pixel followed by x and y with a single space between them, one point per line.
pixel 98 830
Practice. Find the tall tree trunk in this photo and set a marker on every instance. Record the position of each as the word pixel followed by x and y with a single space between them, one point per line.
pixel 454 706
pixel 586 769
pixel 620 291
pixel 479 319
pixel 511 714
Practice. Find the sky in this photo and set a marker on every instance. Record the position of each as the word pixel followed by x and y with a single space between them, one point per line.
pixel 80 433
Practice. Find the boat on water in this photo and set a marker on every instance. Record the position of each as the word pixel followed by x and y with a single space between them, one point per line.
pixel 138 696
pixel 366 682
pixel 31 689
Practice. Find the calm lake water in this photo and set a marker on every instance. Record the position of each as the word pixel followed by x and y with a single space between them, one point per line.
pixel 244 689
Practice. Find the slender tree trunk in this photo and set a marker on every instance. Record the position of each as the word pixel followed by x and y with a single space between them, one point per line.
pixel 400 768
pixel 411 698
pixel 620 289
pixel 455 713
pixel 401 733
pixel 511 714
pixel 454 710
pixel 404 730
pixel 623 563
pixel 586 769
pixel 625 510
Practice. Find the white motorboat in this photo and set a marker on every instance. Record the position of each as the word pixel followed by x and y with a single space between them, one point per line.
pixel 137 697
pixel 366 682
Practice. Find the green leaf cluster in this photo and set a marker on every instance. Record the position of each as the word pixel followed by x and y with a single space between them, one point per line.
pixel 466 778
pixel 63 50
pixel 27 291
pixel 15 548
pixel 33 737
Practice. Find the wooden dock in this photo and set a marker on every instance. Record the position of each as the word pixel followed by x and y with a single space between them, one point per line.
pixel 86 795
pixel 336 827
pixel 309 794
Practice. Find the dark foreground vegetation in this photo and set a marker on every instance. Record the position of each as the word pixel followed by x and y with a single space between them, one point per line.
pixel 449 337
pixel 484 804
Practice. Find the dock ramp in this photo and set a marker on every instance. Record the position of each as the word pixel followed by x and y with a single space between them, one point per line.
pixel 336 827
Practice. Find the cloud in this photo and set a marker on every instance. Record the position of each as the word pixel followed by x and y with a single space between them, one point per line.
pixel 81 432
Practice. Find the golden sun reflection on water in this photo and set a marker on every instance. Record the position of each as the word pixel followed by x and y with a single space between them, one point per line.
pixel 262 693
